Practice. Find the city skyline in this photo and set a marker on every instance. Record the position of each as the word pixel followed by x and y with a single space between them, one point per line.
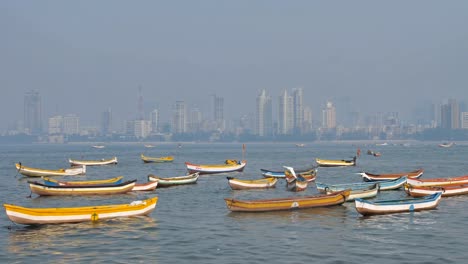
pixel 84 58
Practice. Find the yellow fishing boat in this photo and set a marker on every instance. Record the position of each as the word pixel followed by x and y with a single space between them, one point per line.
pixel 101 189
pixel 228 166
pixel 35 172
pixel 38 216
pixel 115 180
pixel 147 159
pixel 289 203
pixel 335 163
pixel 238 184
pixel 93 162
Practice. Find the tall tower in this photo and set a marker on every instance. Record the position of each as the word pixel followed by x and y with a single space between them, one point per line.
pixel 450 115
pixel 329 116
pixel 179 122
pixel 298 111
pixel 33 113
pixel 219 112
pixel 154 119
pixel 264 115
pixel 285 114
pixel 106 122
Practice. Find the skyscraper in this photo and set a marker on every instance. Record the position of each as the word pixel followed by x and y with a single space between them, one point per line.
pixel 179 118
pixel 329 116
pixel 298 111
pixel 219 113
pixel 106 122
pixel 154 119
pixel 264 115
pixel 32 113
pixel 285 114
pixel 450 115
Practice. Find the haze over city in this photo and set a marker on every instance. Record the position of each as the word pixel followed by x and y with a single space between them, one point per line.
pixel 84 57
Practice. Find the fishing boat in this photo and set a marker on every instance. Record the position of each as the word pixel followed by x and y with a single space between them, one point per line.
pixel 238 184
pixel 228 166
pixel 363 193
pixel 383 185
pixel 446 145
pixel 448 190
pixel 35 172
pixel 52 182
pixel 288 203
pixel 366 176
pixel 280 173
pixel 149 146
pixel 366 207
pixel 295 183
pixel 439 181
pixel 335 163
pixel 39 216
pixel 172 181
pixel 147 159
pixel 147 186
pixel 93 162
pixel 101 189
pixel 98 146
pixel 300 145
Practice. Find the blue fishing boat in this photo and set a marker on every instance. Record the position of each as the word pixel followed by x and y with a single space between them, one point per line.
pixel 366 207
pixel 384 185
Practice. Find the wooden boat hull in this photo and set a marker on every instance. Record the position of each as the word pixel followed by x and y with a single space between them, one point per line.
pixel 439 181
pixel 238 184
pixel 447 190
pixel 289 203
pixel 105 189
pixel 366 176
pixel 35 172
pixel 335 163
pixel 52 182
pixel 148 186
pixel 93 162
pixel 215 168
pixel 383 185
pixel 296 185
pixel 38 216
pixel 173 181
pixel 368 192
pixel 280 174
pixel 147 159
pixel 365 207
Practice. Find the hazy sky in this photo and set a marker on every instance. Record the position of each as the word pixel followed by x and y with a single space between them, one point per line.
pixel 86 56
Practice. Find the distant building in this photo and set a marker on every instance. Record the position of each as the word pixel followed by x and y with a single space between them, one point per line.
pixel 106 122
pixel 220 123
pixel 142 128
pixel 285 114
pixel 32 113
pixel 264 115
pixel 154 119
pixel 450 115
pixel 195 120
pixel 298 111
pixel 55 125
pixel 464 120
pixel 329 116
pixel 307 126
pixel 179 118
pixel 71 125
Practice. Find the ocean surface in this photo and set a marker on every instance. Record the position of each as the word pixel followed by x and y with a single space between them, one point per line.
pixel 191 223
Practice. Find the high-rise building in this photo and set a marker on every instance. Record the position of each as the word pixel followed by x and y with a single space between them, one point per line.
pixel 179 118
pixel 106 122
pixel 71 125
pixel 285 114
pixel 450 115
pixel 220 123
pixel 329 116
pixel 464 120
pixel 264 115
pixel 32 113
pixel 195 120
pixel 154 119
pixel 298 111
pixel 307 127
pixel 55 125
pixel 142 128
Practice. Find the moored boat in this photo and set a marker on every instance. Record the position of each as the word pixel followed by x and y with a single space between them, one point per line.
pixel 447 190
pixel 295 183
pixel 228 166
pixel 240 184
pixel 383 185
pixel 439 181
pixel 335 163
pixel 288 203
pixel 53 182
pixel 147 186
pixel 36 172
pixel 366 192
pixel 101 189
pixel 38 216
pixel 147 159
pixel 446 145
pixel 366 207
pixel 280 173
pixel 173 181
pixel 93 162
pixel 366 176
